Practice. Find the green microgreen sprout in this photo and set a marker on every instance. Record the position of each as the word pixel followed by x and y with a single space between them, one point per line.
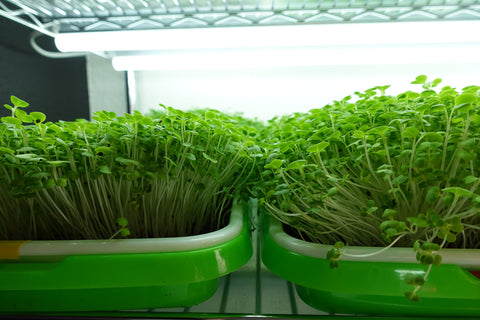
pixel 379 170
pixel 170 173
pixel 334 254
pixel 123 231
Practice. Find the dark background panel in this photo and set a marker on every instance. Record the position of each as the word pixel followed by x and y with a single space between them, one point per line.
pixel 57 87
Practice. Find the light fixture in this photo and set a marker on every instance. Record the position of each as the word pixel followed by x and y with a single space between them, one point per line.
pixel 365 34
pixel 243 59
pixel 282 46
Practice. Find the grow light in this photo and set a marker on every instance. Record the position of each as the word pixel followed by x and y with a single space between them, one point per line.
pixel 271 36
pixel 295 57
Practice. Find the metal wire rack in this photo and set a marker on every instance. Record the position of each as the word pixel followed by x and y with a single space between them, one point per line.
pixel 53 16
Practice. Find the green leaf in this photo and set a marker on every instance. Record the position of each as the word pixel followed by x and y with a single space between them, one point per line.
pixel 416 245
pixel 339 245
pixel 296 164
pixel 62 182
pixel 26 149
pixel 437 220
pixel 55 128
pixel 433 194
pixel 127 162
pixel 469 142
pixel 438 108
pixel 457 227
pixel 4 150
pixel 467 156
pixel 61 141
pixel 107 140
pixel 249 143
pixel 426 259
pixel 378 130
pixel 388 224
pixel 358 134
pixel 23 116
pixel 389 213
pixel 390 232
pixel 335 136
pixel 399 180
pixel 448 199
pixel 462 108
pixel 102 151
pixel 419 221
pixel 412 296
pixel 451 237
pixel 146 121
pixel 26 155
pixel 437 260
pixel 38 117
pixel 190 156
pixel 57 162
pixel 18 102
pixel 319 147
pixel 458 120
pixel 49 183
pixel 414 279
pixel 274 164
pixel 430 246
pixel 410 132
pixel 436 82
pixel 370 203
pixel 420 79
pixel 434 136
pixel 465 98
pixel 332 191
pixel 210 115
pixel 461 192
pixel 12 120
pixel 288 129
pixel 280 192
pixel 122 222
pixel 105 169
pixel 125 232
pixel 206 156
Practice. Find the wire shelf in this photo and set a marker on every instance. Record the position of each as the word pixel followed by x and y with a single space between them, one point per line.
pixel 108 15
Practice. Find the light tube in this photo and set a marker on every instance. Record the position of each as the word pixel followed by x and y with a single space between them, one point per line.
pixel 365 34
pixel 297 57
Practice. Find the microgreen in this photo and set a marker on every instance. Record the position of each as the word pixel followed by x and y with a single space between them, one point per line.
pixel 380 171
pixel 173 173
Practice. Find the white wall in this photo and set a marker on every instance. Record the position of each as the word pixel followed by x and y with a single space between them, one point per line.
pixel 276 91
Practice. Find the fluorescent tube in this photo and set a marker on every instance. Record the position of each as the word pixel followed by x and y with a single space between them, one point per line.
pixel 392 33
pixel 296 57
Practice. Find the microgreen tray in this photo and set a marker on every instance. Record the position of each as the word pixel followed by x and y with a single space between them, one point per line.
pixel 91 275
pixel 373 285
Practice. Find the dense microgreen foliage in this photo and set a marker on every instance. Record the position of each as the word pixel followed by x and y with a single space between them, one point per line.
pixel 172 174
pixel 379 171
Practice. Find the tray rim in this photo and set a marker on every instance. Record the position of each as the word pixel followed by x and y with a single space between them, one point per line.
pixel 464 258
pixel 52 248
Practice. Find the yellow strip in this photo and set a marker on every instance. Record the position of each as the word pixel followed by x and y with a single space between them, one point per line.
pixel 11 249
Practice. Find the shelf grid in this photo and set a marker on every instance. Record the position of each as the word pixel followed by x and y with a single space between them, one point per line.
pixel 108 15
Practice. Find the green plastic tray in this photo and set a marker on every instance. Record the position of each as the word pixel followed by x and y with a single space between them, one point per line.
pixel 100 277
pixel 372 287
